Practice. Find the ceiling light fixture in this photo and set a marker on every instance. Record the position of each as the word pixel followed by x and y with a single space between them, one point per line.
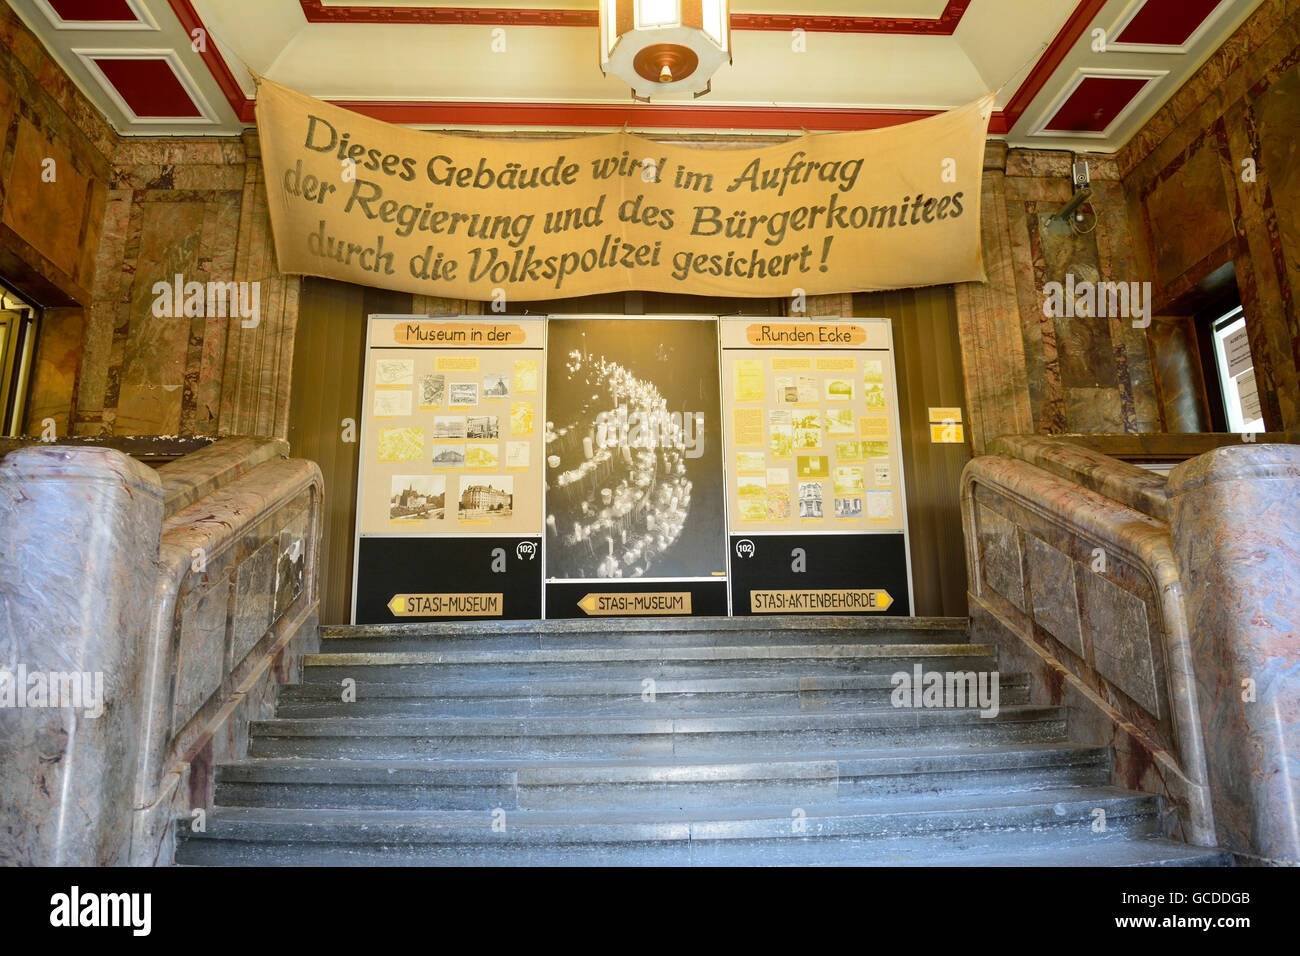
pixel 664 47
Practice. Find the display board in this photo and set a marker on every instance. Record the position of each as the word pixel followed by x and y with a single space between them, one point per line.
pixel 587 466
pixel 811 438
pixel 450 451
pixel 812 449
pixel 634 482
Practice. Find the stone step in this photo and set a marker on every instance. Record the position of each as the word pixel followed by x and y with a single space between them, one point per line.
pixel 663 783
pixel 867 831
pixel 601 736
pixel 658 632
pixel 640 663
pixel 411 638
pixel 574 697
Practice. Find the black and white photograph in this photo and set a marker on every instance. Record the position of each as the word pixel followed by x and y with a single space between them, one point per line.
pixel 448 456
pixel 488 496
pixel 634 482
pixel 810 499
pixel 464 393
pixel 448 426
pixel 482 427
pixel 496 385
pixel 848 507
pixel 417 497
pixel 433 390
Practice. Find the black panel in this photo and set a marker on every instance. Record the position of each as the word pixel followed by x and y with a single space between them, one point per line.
pixel 708 598
pixel 833 561
pixel 390 566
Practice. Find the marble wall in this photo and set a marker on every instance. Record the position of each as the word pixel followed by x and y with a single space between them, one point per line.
pixel 1086 373
pixel 55 160
pixel 1212 180
pixel 68 761
pixel 1025 371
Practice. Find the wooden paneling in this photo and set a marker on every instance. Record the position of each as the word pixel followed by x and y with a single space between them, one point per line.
pixel 927 353
pixel 648 303
pixel 327 382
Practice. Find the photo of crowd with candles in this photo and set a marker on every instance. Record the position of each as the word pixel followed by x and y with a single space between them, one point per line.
pixel 634 479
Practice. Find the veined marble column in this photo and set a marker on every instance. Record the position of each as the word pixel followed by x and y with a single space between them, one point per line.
pixel 259 361
pixel 988 322
pixel 1236 534
pixel 79 538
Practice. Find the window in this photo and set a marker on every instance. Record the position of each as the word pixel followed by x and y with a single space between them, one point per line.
pixel 1236 369
pixel 17 343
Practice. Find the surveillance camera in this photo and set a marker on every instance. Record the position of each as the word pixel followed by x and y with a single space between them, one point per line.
pixel 1080 173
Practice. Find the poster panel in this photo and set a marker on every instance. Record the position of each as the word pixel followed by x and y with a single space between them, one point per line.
pixel 451 441
pixel 812 442
pixel 449 492
pixel 633 446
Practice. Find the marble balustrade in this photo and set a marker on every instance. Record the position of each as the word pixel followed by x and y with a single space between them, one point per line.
pixel 209 569
pixel 1141 605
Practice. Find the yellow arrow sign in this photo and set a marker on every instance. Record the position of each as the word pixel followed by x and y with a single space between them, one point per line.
pixel 849 601
pixel 445 605
pixel 599 603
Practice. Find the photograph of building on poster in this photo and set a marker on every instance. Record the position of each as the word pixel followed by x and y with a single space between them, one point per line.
pixel 634 478
pixel 417 497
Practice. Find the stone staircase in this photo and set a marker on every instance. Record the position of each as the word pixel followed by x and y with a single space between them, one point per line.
pixel 632 742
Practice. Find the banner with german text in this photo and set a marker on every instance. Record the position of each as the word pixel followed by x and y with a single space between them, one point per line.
pixel 363 201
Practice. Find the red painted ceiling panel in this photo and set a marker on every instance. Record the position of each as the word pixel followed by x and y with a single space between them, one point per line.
pixel 1167 22
pixel 94 11
pixel 1093 106
pixel 150 87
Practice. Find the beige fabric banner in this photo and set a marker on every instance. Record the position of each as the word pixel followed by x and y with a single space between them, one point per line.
pixel 364 201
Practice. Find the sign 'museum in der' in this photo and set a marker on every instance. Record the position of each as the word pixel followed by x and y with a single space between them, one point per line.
pixel 356 199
